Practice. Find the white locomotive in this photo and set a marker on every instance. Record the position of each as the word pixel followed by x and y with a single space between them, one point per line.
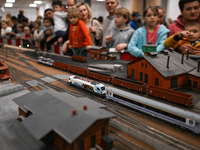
pixel 87 84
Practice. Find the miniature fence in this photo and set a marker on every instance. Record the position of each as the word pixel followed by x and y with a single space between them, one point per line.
pixel 140 136
pixel 11 90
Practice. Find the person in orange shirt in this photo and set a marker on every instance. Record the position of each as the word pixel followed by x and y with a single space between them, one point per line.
pixel 190 36
pixel 79 37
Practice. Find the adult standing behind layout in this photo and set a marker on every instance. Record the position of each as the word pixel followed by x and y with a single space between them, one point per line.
pixel 109 23
pixel 189 12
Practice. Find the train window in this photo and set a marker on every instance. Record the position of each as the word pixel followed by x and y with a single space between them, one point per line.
pixel 142 64
pixel 145 65
pixel 141 76
pixel 195 84
pixel 191 122
pixel 98 89
pixel 103 88
pixel 189 83
pixel 133 73
pixel 146 78
pixel 156 82
pixel 173 83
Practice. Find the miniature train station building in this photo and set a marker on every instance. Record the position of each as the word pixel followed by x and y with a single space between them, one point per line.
pixel 65 121
pixel 168 69
pixel 96 51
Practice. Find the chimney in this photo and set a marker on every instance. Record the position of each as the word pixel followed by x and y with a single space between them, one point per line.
pixel 198 67
pixel 168 61
pixel 74 112
pixel 187 53
pixel 182 58
pixel 85 107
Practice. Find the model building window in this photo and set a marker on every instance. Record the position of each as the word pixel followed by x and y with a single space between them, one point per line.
pixel 102 132
pixel 64 143
pixel 195 84
pixel 141 76
pixel 173 83
pixel 93 141
pixel 2 71
pixel 146 78
pixel 145 65
pixel 81 145
pixel 156 82
pixel 142 64
pixel 189 83
pixel 133 73
pixel 191 122
pixel 111 145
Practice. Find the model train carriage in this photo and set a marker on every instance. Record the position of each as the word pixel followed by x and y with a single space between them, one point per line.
pixel 87 84
pixel 47 61
pixel 159 110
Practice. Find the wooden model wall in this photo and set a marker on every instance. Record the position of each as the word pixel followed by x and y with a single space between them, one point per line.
pixel 145 72
pixel 4 71
pixel 94 131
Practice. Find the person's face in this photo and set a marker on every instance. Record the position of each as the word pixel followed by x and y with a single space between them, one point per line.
pixel 47 23
pixel 24 23
pixel 111 6
pixel 4 25
pixel 73 19
pixel 19 29
pixel 36 25
pixel 120 20
pixel 190 11
pixel 160 16
pixel 49 14
pixel 151 18
pixel 57 8
pixel 70 3
pixel 27 32
pixel 84 12
pixel 194 33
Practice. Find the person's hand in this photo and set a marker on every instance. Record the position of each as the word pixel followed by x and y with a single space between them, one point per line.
pixel 108 38
pixel 88 47
pixel 48 39
pixel 197 51
pixel 70 46
pixel 60 40
pixel 184 47
pixel 184 34
pixel 23 38
pixel 92 29
pixel 56 43
pixel 48 32
pixel 64 47
pixel 120 47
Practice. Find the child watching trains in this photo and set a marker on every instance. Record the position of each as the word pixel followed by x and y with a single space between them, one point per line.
pixel 157 34
pixel 121 34
pixel 20 31
pixel 79 37
pixel 191 36
pixel 48 34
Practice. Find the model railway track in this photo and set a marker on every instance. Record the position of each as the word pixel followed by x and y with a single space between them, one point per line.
pixel 59 89
pixel 31 67
pixel 128 143
pixel 175 143
pixel 20 81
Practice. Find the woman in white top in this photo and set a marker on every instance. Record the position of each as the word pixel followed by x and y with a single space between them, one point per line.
pixel 5 30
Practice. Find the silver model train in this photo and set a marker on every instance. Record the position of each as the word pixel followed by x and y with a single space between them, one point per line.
pixel 174 115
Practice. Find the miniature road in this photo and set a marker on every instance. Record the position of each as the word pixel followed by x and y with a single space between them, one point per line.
pixel 24 64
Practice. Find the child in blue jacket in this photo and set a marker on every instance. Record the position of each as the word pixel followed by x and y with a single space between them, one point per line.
pixel 157 34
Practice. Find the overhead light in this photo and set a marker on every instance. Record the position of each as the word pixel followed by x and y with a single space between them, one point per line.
pixel 10 1
pixel 2 9
pixel 100 0
pixel 8 4
pixel 37 2
pixel 32 5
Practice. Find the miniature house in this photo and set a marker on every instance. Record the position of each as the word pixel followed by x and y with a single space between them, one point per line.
pixel 169 70
pixel 95 52
pixel 64 121
pixel 4 71
pixel 149 47
pixel 104 55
